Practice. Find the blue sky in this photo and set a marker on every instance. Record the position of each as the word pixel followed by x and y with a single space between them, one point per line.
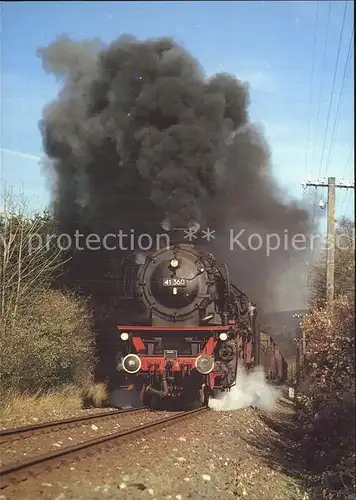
pixel 271 45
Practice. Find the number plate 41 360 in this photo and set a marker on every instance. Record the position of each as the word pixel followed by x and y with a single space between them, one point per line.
pixel 174 282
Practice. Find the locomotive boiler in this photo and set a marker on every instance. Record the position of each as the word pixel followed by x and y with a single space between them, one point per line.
pixel 195 327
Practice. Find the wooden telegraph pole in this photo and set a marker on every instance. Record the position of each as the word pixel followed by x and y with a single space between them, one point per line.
pixel 330 256
pixel 330 249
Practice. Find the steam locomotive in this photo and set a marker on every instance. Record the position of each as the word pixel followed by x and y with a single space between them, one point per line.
pixel 196 327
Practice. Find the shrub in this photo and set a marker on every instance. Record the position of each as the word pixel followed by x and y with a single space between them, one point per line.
pixel 326 406
pixel 327 389
pixel 46 337
pixel 49 345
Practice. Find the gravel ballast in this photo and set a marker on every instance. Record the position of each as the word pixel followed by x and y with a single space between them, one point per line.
pixel 50 440
pixel 216 455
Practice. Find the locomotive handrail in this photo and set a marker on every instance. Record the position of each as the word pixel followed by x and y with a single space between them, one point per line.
pixel 227 278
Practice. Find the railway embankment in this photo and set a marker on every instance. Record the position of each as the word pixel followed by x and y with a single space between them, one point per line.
pixel 246 453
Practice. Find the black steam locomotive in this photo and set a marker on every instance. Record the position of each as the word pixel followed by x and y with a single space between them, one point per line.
pixel 195 327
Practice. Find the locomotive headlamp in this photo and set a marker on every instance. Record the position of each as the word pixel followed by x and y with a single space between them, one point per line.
pixel 204 364
pixel 223 336
pixel 174 263
pixel 131 363
pixel 124 336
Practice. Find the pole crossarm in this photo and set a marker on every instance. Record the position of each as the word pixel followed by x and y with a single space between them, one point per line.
pixel 322 183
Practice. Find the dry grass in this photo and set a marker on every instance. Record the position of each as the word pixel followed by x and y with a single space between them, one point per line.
pixel 25 409
pixel 95 394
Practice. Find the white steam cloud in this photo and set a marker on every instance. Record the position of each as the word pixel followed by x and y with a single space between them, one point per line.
pixel 251 389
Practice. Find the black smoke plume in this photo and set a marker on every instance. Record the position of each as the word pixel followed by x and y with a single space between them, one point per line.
pixel 136 131
pixel 138 134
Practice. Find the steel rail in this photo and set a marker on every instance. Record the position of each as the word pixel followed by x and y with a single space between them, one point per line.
pixel 19 471
pixel 8 435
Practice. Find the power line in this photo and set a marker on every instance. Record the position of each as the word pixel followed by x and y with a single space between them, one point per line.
pixel 336 121
pixel 322 78
pixel 347 161
pixel 315 214
pixel 331 101
pixel 333 86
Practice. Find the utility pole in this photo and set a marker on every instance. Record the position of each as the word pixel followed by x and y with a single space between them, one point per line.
pixel 330 255
pixel 330 249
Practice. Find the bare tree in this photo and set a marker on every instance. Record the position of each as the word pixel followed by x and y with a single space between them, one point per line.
pixel 344 266
pixel 29 254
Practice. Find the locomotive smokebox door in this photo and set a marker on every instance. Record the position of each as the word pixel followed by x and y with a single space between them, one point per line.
pixel 174 285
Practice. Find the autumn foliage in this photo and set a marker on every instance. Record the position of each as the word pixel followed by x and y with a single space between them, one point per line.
pixel 49 345
pixel 46 339
pixel 327 389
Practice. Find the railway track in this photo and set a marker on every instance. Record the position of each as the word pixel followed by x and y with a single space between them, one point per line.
pixel 21 470
pixel 9 435
pixel 29 441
